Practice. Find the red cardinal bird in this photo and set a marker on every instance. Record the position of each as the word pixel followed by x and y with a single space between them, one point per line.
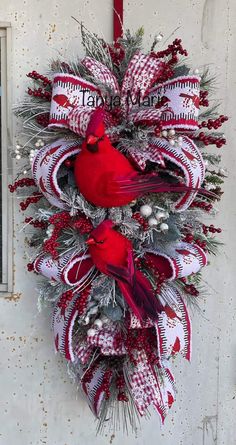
pixel 112 254
pixel 106 178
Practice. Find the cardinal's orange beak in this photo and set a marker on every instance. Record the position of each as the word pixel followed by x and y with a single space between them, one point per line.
pixel 92 140
pixel 90 242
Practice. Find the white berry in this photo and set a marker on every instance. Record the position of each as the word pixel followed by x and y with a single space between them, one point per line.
pixel 91 332
pixel 196 71
pixel 164 227
pixel 172 132
pixel 146 210
pixel 98 323
pixel 172 142
pixel 164 133
pixel 152 222
pixel 18 157
pixel 86 320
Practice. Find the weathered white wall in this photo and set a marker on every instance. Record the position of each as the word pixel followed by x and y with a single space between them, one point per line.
pixel 38 403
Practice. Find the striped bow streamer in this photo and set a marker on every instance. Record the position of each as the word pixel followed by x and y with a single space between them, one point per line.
pixel 150 384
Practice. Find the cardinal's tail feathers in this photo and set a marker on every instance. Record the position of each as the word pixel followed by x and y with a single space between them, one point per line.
pixel 140 297
pixel 144 294
pixel 137 292
pixel 140 184
pixel 127 293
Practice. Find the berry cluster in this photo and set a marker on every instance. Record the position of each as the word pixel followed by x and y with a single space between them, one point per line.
pixel 190 288
pixel 143 222
pixel 116 52
pixel 65 298
pixel 36 76
pixel 36 196
pixel 188 238
pixel 202 205
pixel 30 267
pixel 24 182
pixel 60 221
pixel 40 93
pixel 200 243
pixel 141 340
pixel 214 123
pixel 207 139
pixel 36 223
pixel 83 300
pixel 211 229
pixel 173 49
pixel 43 119
pixel 204 102
pixel 120 385
pixel 83 225
pixel 160 277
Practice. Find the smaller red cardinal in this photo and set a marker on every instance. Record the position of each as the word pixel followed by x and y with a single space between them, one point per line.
pixel 112 254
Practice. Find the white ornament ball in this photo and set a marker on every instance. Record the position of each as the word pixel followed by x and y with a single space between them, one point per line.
pixel 164 133
pixel 98 323
pixel 196 71
pixel 18 157
pixel 91 332
pixel 152 222
pixel 24 172
pixel 172 132
pixel 146 210
pixel 159 37
pixel 37 144
pixel 172 142
pixel 164 227
pixel 17 146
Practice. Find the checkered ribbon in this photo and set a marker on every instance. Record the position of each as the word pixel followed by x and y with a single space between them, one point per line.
pixel 143 70
pixel 109 339
pixel 148 387
pixel 101 73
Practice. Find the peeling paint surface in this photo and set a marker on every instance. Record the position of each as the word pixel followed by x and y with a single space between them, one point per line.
pixel 39 403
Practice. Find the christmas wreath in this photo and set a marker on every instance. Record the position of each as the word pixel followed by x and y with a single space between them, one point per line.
pixel 120 179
